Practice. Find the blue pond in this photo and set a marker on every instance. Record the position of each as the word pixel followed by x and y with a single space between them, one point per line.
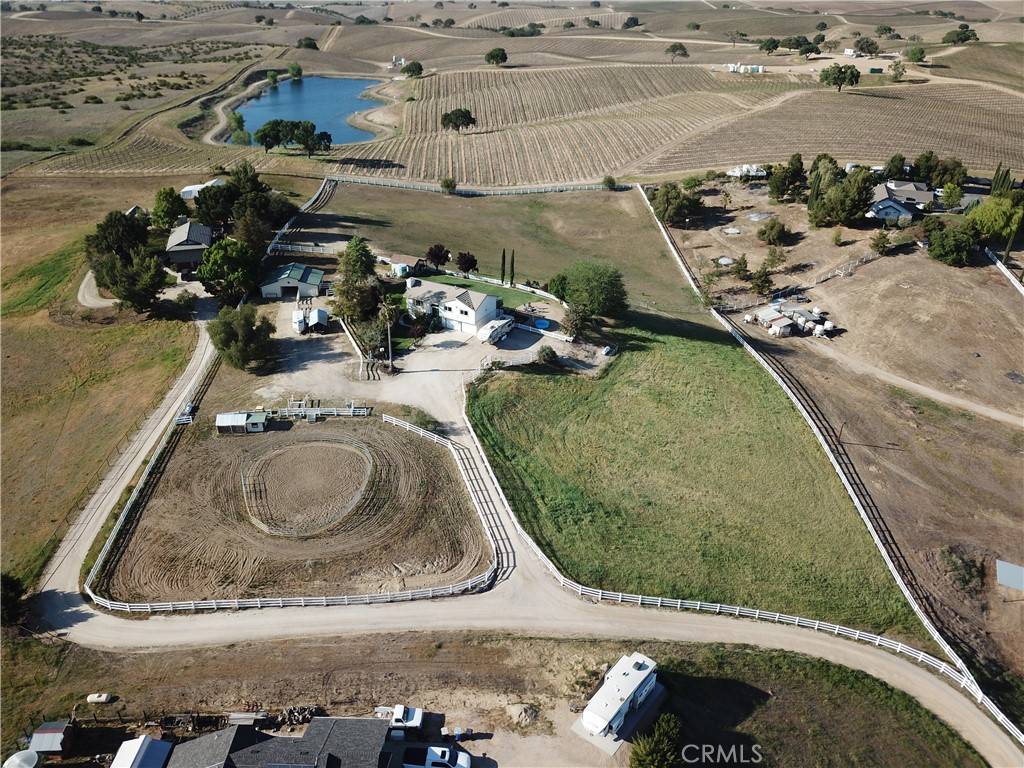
pixel 327 101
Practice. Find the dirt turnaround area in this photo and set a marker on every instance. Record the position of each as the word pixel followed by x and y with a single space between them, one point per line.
pixel 343 507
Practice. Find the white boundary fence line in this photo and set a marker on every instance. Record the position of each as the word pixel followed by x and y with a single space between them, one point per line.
pixel 963 677
pixel 352 341
pixel 274 244
pixel 1006 272
pixel 425 186
pixel 478 582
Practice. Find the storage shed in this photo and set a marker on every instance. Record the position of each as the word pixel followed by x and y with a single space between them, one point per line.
pixel 241 422
pixel 318 320
pixel 293 280
pixel 52 738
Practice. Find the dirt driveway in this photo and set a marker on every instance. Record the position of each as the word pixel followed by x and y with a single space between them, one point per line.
pixel 429 377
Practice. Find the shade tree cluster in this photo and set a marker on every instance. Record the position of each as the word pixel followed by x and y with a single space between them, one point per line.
pixel 283 133
pixel 591 290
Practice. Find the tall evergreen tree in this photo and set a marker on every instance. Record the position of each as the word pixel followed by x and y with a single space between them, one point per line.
pixel 502 266
pixel 512 268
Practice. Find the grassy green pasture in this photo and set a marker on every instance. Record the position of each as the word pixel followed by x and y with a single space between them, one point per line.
pixel 685 472
pixel 548 232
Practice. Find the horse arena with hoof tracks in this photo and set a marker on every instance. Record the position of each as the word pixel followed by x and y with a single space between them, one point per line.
pixel 346 506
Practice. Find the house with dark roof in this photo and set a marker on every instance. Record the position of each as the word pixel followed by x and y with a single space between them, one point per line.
pixel 293 280
pixel 460 309
pixel 329 742
pixel 914 193
pixel 187 244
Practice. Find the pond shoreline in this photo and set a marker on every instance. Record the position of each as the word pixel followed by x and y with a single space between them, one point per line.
pixel 219 133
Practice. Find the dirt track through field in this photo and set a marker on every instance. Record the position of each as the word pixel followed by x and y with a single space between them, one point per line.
pixel 344 507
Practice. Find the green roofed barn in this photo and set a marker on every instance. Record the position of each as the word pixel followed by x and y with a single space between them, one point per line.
pixel 293 280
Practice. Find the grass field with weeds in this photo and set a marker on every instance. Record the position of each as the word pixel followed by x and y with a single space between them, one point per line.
pixel 685 472
pixel 74 382
pixel 548 232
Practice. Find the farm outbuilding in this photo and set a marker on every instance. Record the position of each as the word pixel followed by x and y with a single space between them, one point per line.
pixel 293 280
pixel 241 422
pixel 187 244
pixel 318 320
pixel 405 266
pixel 52 738
pixel 192 190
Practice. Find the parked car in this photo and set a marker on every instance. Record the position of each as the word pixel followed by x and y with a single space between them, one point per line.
pixel 99 698
pixel 610 351
pixel 435 757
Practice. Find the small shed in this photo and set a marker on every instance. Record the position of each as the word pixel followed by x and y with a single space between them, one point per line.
pixel 230 423
pixel 318 320
pixel 240 422
pixel 780 326
pixel 405 266
pixel 765 316
pixel 143 752
pixel 256 421
pixel 52 738
pixel 293 280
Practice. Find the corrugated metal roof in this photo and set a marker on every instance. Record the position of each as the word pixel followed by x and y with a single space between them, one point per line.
pixel 189 235
pixel 231 419
pixel 297 272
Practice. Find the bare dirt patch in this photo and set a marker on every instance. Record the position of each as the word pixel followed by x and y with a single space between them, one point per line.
pixel 342 507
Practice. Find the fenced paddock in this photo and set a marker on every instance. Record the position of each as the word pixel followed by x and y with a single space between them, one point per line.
pixel 256 514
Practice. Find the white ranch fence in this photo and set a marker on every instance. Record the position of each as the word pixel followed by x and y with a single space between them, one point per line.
pixel 1014 281
pixel 479 582
pixel 962 674
pixel 425 186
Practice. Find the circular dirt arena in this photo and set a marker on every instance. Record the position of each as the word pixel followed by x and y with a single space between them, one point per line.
pixel 348 506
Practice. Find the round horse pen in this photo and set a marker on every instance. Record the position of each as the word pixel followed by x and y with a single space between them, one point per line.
pixel 346 506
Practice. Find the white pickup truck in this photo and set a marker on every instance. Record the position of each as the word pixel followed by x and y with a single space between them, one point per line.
pixel 406 717
pixel 435 757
